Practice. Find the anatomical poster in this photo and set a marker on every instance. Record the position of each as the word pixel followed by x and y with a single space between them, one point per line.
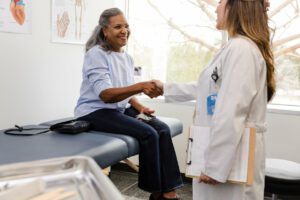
pixel 15 16
pixel 69 21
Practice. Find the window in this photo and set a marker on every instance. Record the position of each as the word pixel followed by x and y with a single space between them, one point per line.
pixel 286 43
pixel 173 40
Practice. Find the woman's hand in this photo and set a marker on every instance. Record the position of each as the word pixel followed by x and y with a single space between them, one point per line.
pixel 147 111
pixel 207 180
pixel 149 88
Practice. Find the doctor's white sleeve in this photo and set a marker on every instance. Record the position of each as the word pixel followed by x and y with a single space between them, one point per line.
pixel 241 68
pixel 174 92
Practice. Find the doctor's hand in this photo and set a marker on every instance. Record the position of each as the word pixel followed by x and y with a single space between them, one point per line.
pixel 159 84
pixel 207 180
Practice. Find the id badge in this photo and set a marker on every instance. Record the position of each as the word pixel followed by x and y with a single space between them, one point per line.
pixel 211 103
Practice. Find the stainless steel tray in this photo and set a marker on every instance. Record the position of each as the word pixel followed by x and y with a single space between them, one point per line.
pixel 78 173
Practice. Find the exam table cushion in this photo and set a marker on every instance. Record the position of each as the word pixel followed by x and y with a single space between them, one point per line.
pixel 133 148
pixel 106 148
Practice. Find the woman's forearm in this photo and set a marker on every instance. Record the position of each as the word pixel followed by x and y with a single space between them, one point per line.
pixel 113 95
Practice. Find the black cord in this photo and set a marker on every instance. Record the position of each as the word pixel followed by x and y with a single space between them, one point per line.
pixel 19 130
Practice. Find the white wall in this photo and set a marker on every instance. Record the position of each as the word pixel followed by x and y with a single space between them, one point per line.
pixel 283 136
pixel 40 81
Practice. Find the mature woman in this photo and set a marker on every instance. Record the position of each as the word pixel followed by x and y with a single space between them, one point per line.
pixel 241 79
pixel 107 101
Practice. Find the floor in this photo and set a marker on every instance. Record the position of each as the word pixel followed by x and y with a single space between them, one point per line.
pixel 126 182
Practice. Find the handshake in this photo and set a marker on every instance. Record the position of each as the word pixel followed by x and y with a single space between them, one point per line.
pixel 153 88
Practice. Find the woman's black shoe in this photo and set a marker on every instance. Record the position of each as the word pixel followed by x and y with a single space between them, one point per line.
pixel 152 197
pixel 161 197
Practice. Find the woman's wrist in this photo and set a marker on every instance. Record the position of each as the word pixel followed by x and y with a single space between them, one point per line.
pixel 140 86
pixel 139 107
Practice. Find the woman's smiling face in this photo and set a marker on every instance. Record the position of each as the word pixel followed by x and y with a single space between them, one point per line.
pixel 117 32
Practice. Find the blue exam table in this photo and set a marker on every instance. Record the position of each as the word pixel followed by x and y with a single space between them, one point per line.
pixel 106 148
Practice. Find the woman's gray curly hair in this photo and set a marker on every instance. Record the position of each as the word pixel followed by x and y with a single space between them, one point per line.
pixel 97 37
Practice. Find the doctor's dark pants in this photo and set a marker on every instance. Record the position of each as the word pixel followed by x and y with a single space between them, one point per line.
pixel 158 166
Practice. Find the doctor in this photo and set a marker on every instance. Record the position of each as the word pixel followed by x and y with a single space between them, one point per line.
pixel 232 93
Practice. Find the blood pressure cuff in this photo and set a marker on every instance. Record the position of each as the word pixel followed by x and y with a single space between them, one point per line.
pixel 71 127
pixel 68 127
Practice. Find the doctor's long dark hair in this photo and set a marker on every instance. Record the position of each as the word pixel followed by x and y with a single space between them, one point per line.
pixel 249 18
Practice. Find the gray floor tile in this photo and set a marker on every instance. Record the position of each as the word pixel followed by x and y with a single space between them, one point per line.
pixel 126 182
pixel 136 193
pixel 123 180
pixel 185 192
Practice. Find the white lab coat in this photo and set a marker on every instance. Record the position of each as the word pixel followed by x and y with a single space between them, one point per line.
pixel 241 102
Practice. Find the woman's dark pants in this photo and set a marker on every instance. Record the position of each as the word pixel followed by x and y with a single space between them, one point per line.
pixel 158 166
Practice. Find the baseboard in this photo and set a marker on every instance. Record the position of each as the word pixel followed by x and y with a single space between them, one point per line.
pixel 124 167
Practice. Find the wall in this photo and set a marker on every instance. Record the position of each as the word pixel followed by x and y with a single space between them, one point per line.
pixel 40 80
pixel 283 136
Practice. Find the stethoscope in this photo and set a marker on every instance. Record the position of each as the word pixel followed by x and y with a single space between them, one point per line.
pixel 215 75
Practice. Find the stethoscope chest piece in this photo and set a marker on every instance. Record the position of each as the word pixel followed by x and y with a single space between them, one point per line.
pixel 215 75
